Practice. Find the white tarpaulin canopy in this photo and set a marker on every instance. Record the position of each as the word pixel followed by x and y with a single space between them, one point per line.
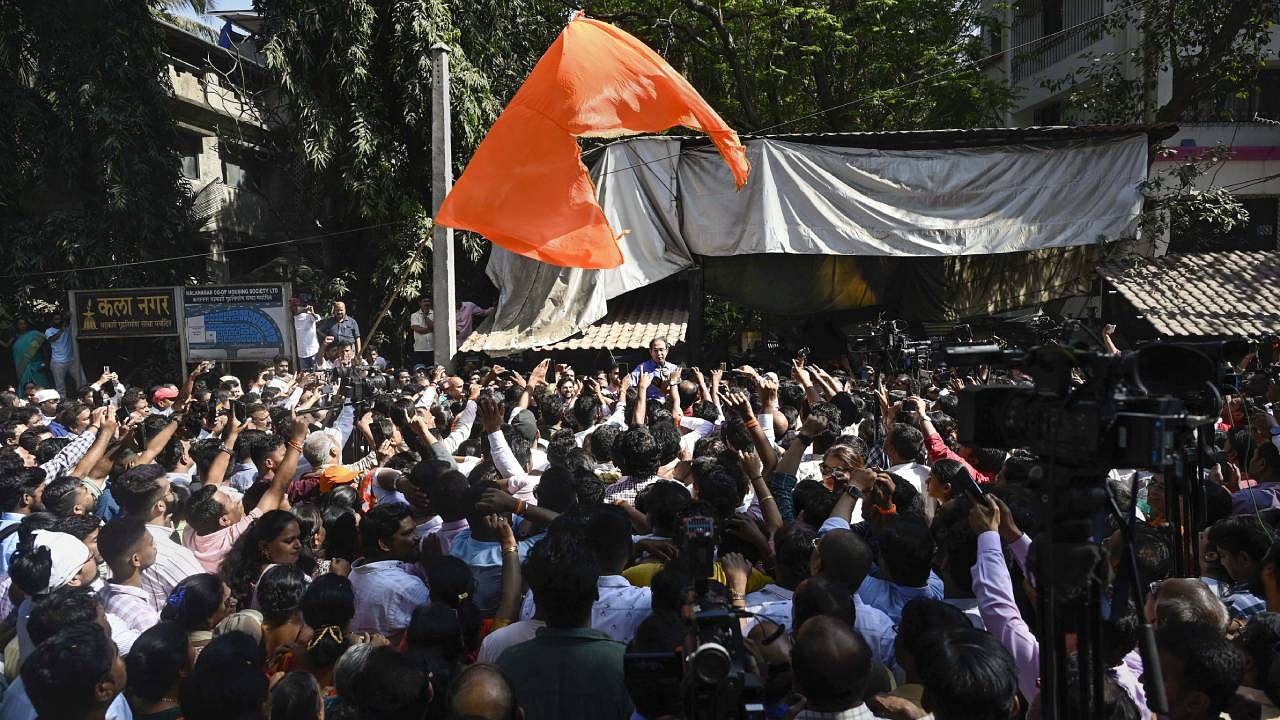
pixel 1034 191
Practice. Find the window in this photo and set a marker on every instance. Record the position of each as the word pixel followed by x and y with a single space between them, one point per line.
pixel 1050 114
pixel 1234 104
pixel 239 168
pixel 1051 17
pixel 190 147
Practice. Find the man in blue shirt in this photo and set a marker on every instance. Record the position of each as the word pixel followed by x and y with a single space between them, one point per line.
pixel 62 362
pixel 20 491
pixel 341 329
pixel 656 367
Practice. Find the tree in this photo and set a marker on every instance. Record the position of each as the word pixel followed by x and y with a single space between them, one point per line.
pixel 824 65
pixel 87 150
pixel 167 10
pixel 356 80
pixel 1213 49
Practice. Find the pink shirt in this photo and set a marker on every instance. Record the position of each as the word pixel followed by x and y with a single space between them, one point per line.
pixel 210 549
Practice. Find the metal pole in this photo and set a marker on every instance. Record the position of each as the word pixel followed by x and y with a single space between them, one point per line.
pixel 442 275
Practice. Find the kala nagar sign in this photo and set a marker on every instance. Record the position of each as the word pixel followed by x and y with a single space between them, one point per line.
pixel 140 312
pixel 211 322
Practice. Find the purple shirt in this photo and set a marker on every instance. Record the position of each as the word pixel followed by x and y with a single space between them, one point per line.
pixel 994 590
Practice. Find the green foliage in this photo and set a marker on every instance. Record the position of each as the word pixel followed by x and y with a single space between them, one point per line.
pixel 356 76
pixel 1175 203
pixel 724 322
pixel 87 151
pixel 1214 49
pixel 824 65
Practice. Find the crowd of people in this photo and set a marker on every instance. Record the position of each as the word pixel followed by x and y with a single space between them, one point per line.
pixel 493 544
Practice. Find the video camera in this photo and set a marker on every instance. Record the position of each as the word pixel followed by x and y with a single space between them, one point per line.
pixel 715 681
pixel 1088 413
pixel 1122 415
pixel 360 382
pixel 888 341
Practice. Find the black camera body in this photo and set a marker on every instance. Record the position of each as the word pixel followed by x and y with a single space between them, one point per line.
pixel 715 681
pixel 1125 414
pixel 362 381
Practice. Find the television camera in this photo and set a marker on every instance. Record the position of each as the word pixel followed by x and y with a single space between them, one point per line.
pixel 1085 414
pixel 716 681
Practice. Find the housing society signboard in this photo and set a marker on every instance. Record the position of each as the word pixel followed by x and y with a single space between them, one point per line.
pixel 236 322
pixel 230 323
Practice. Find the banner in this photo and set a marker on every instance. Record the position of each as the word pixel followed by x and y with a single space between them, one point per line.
pixel 135 312
pixel 236 322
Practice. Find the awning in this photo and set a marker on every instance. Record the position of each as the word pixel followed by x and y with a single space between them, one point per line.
pixel 1211 295
pixel 1005 218
pixel 633 320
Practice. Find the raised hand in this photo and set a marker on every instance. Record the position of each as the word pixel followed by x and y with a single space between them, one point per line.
pixel 538 376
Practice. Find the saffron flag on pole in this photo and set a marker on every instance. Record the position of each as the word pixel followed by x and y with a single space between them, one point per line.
pixel 526 188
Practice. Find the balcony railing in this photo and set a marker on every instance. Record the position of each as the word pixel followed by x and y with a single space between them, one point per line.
pixel 1038 50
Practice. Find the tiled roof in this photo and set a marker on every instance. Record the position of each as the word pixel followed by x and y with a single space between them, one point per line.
pixel 1204 294
pixel 634 319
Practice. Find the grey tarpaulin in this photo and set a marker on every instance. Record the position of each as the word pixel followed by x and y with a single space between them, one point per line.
pixel 539 304
pixel 820 200
pixel 816 199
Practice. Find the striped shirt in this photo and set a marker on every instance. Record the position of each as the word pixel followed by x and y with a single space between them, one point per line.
pixel 69 456
pixel 174 564
pixel 130 604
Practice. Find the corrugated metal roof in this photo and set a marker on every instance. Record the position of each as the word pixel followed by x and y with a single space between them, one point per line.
pixel 1204 294
pixel 968 137
pixel 634 319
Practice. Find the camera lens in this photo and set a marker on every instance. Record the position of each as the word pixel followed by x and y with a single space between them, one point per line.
pixel 711 663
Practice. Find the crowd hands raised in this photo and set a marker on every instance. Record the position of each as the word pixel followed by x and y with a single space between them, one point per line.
pixel 491 544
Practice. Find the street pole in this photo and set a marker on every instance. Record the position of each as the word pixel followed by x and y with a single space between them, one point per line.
pixel 442 275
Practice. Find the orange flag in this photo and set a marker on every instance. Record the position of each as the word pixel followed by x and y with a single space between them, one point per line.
pixel 526 188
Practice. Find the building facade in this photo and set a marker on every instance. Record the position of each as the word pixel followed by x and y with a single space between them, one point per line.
pixel 1045 41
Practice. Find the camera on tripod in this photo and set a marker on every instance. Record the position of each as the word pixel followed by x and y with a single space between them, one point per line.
pixel 715 680
pixel 1124 414
pixel 1088 413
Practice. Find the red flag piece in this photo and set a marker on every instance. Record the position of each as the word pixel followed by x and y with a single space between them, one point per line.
pixel 526 188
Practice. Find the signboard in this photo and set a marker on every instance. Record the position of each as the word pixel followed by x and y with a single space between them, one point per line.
pixel 236 322
pixel 137 312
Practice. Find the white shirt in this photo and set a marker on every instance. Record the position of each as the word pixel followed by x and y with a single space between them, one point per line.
pixel 386 596
pixel 17 705
pixel 617 612
pixel 422 342
pixel 497 642
pixel 304 331
pixel 772 603
pixel 174 563
pixel 919 476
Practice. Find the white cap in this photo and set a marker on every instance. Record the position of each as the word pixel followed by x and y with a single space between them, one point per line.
pixel 230 379
pixel 68 554
pixel 47 395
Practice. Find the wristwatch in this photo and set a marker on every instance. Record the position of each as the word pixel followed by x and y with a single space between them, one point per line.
pixel 804 439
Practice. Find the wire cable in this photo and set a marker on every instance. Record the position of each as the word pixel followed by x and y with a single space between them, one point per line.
pixel 192 256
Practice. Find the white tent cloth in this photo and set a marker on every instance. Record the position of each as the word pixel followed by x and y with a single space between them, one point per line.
pixel 819 199
pixel 823 200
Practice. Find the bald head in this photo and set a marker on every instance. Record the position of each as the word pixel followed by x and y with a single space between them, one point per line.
pixel 482 692
pixel 1186 600
pixel 831 664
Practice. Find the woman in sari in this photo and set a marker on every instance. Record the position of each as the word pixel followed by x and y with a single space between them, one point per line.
pixel 27 358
